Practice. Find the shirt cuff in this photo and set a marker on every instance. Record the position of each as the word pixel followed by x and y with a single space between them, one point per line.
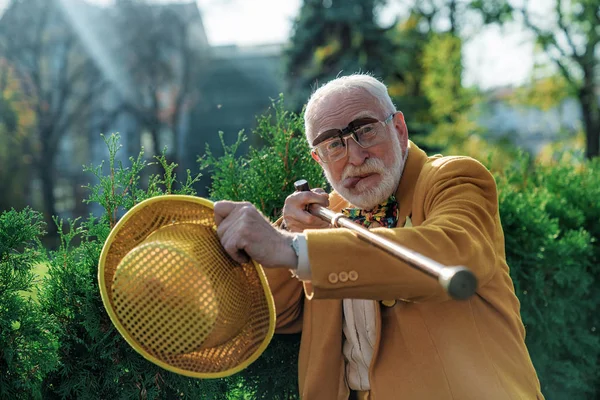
pixel 303 272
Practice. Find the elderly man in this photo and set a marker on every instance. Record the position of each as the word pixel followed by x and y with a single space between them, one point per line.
pixel 373 327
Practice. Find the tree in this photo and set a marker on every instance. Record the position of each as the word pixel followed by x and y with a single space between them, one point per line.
pixel 54 72
pixel 570 38
pixel 419 58
pixel 332 38
pixel 427 80
pixel 162 56
pixel 405 86
pixel 451 103
pixel 16 125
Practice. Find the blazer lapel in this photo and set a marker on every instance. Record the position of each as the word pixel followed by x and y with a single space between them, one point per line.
pixel 406 189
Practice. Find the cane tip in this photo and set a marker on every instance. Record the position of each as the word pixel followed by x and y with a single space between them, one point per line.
pixel 459 282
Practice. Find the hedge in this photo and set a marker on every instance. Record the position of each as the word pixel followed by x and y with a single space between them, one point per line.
pixel 62 345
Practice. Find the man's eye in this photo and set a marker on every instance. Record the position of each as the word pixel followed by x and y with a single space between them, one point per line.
pixel 334 145
pixel 366 132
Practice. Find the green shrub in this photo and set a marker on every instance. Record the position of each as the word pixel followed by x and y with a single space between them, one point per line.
pixel 550 217
pixel 28 348
pixel 66 347
pixel 95 361
pixel 265 177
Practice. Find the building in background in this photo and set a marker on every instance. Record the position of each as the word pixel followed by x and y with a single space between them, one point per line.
pixel 238 85
pixel 225 89
pixel 229 87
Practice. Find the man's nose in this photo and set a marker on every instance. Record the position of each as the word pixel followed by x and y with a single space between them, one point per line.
pixel 356 154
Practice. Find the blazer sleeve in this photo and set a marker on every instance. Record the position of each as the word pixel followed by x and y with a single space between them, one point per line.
pixel 455 206
pixel 288 294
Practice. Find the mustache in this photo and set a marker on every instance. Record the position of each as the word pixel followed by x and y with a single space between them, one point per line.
pixel 370 166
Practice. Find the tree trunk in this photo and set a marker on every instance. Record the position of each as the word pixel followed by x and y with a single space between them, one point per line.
pixel 176 153
pixel 591 114
pixel 154 133
pixel 592 132
pixel 46 174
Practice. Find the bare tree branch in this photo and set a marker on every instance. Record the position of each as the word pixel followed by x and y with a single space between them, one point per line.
pixel 563 27
pixel 563 69
pixel 4 76
pixel 547 41
pixel 64 84
pixel 36 70
pixel 84 102
pixel 186 62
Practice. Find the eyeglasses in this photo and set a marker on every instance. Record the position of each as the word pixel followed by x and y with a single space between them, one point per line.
pixel 332 145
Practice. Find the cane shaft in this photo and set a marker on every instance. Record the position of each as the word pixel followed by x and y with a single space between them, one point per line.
pixel 411 257
pixel 459 282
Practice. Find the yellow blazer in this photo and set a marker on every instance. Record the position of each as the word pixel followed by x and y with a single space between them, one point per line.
pixel 428 346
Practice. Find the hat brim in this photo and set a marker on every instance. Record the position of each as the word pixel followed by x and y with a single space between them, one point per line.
pixel 133 228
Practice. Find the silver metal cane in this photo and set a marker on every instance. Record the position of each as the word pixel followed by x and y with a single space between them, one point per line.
pixel 458 281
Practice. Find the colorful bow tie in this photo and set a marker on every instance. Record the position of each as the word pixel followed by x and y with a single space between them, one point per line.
pixel 385 214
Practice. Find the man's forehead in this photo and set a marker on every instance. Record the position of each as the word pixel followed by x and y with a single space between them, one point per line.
pixel 364 114
pixel 343 121
pixel 338 110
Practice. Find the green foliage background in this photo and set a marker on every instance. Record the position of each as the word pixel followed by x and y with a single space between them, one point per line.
pixel 550 218
pixel 28 336
pixel 265 177
pixel 60 343
pixel 331 38
pixel 63 346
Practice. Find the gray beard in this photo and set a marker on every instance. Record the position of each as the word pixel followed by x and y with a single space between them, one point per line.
pixel 370 198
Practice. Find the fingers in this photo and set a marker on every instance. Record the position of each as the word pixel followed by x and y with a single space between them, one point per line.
pixel 295 215
pixel 222 209
pixel 245 233
pixel 231 209
pixel 231 218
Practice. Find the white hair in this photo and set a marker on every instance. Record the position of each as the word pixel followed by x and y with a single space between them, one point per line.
pixel 347 84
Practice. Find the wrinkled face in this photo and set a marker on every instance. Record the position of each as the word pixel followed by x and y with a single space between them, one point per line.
pixel 365 176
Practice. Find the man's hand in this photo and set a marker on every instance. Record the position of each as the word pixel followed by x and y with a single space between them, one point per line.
pixel 295 216
pixel 245 232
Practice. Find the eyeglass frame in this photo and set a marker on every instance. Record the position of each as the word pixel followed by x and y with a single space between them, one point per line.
pixel 346 133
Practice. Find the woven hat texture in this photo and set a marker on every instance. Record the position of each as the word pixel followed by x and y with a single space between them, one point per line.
pixel 176 296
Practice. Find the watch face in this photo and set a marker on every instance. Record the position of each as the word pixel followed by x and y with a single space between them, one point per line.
pixel 295 245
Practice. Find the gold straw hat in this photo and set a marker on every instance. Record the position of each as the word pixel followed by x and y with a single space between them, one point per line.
pixel 176 296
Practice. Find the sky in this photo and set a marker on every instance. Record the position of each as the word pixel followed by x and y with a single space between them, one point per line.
pixel 493 58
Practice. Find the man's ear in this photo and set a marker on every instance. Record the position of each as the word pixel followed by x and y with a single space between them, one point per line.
pixel 400 126
pixel 315 156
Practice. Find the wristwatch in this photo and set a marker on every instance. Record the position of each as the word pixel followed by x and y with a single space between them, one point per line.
pixel 295 246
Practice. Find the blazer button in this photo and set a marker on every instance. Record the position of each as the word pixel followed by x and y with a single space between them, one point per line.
pixel 333 277
pixel 388 303
pixel 343 276
pixel 353 275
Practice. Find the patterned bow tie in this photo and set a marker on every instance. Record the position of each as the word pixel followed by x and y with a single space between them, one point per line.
pixel 385 214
